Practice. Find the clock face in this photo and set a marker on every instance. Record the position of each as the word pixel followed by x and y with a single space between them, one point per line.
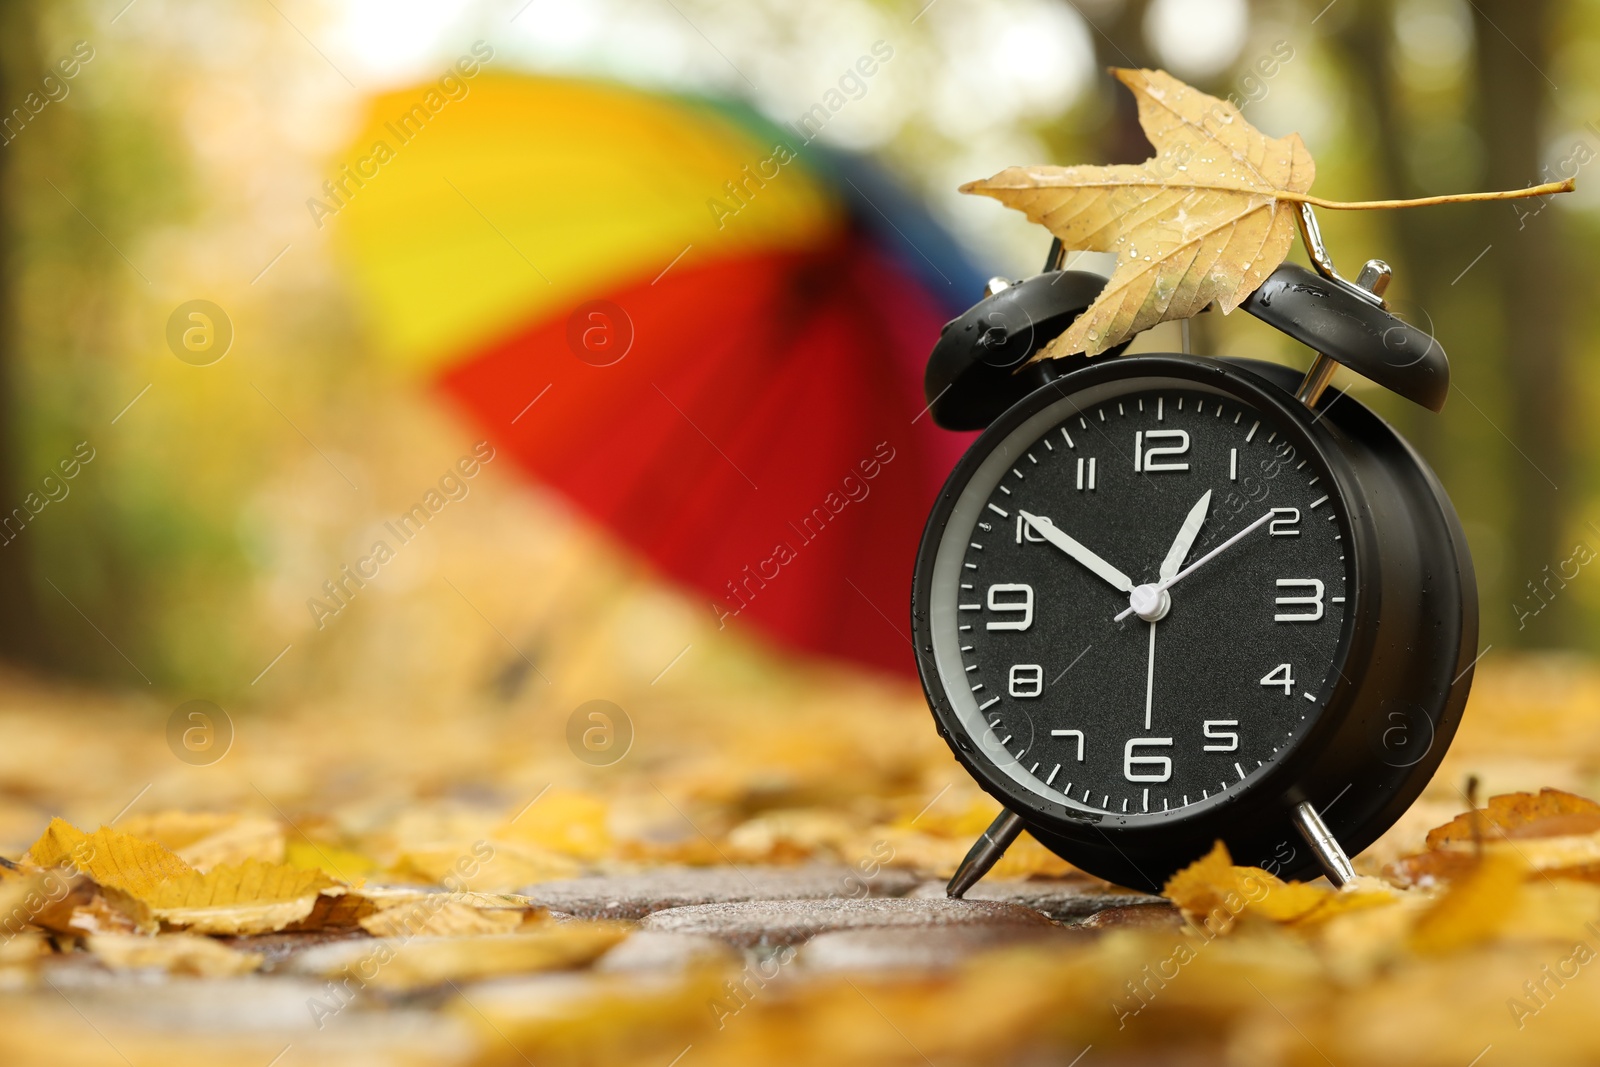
pixel 1213 527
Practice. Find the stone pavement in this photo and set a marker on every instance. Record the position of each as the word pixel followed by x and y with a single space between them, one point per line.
pixel 837 917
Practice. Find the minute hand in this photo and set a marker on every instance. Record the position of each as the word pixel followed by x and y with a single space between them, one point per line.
pixel 1191 568
pixel 1051 533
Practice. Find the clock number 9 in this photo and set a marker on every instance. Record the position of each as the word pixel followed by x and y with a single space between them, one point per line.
pixel 1022 608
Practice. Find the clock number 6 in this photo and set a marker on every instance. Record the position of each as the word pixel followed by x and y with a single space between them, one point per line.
pixel 1158 768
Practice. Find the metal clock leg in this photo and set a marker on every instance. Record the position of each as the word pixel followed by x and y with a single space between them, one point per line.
pixel 984 853
pixel 1335 864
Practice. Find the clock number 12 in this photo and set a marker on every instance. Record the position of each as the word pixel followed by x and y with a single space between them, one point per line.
pixel 1146 453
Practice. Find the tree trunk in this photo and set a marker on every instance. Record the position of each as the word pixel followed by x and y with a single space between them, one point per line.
pixel 22 639
pixel 1525 269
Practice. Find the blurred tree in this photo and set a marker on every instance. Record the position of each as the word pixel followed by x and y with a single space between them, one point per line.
pixel 21 638
pixel 1525 271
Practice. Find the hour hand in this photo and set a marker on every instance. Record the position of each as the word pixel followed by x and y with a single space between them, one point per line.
pixel 1048 530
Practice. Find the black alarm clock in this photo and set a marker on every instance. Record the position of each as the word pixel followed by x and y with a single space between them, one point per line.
pixel 1165 600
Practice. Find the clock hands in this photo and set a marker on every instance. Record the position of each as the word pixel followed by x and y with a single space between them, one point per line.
pixel 1168 574
pixel 1048 530
pixel 1150 677
pixel 1145 600
pixel 1154 607
pixel 1186 535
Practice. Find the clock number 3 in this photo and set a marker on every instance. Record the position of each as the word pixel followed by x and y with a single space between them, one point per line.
pixel 1311 601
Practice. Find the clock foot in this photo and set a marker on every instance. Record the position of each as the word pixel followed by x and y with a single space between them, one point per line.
pixel 1335 864
pixel 984 853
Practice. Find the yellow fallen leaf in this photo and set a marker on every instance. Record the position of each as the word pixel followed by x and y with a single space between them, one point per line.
pixel 494 866
pixel 328 912
pixel 112 858
pixel 1214 892
pixel 418 962
pixel 177 953
pixel 205 839
pixel 444 918
pixel 1547 813
pixel 1552 832
pixel 1026 858
pixel 1205 220
pixel 247 898
pixel 117 914
pixel 1473 908
pixel 250 898
pixel 343 863
pixel 565 821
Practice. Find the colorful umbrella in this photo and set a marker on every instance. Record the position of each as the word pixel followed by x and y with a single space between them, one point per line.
pixel 705 332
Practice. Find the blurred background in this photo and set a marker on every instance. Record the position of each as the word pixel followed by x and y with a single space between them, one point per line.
pixel 567 277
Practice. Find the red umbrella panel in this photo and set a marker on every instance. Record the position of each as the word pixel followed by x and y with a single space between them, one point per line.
pixel 748 417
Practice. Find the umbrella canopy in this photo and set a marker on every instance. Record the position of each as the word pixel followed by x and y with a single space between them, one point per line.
pixel 706 333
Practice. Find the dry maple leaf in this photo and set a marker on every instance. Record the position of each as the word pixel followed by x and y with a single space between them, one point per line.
pixel 1205 220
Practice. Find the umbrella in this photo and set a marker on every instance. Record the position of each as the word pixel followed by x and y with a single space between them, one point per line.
pixel 706 333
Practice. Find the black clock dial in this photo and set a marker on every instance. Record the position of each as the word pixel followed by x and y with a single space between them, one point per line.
pixel 1113 501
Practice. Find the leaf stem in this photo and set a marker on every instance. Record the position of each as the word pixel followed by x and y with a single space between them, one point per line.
pixel 1452 198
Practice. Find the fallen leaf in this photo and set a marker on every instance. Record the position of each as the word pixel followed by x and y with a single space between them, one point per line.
pixel 1547 813
pixel 22 948
pixel 41 898
pixel 118 914
pixel 205 839
pixel 176 953
pixel 418 962
pixel 250 898
pixel 1474 907
pixel 1214 892
pixel 487 866
pixel 1551 832
pixel 342 863
pixel 1204 220
pixel 328 912
pixel 444 918
pixel 110 857
pixel 564 821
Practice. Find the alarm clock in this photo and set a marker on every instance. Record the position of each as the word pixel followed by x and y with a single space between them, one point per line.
pixel 1169 599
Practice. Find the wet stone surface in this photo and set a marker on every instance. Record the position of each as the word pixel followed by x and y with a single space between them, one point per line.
pixel 792 922
pixel 1062 899
pixel 635 896
pixel 921 949
pixel 650 950
pixel 1135 915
